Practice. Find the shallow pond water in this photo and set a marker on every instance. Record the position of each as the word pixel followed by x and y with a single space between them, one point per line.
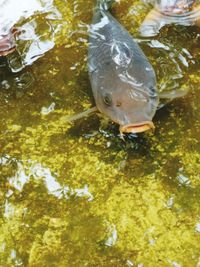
pixel 75 194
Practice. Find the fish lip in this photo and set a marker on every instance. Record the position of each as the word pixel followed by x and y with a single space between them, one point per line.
pixel 137 127
pixel 7 52
pixel 9 40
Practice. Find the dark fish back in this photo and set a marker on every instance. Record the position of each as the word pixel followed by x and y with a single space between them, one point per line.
pixel 108 39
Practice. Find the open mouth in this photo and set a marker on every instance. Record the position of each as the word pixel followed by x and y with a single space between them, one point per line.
pixel 137 127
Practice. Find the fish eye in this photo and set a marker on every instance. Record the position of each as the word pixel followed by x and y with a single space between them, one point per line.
pixel 107 100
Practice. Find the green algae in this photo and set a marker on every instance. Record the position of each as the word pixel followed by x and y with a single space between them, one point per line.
pixel 74 194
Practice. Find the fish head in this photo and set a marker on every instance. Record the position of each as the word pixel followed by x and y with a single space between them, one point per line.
pixel 131 105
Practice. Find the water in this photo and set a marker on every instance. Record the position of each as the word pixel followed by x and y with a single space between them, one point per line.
pixel 76 194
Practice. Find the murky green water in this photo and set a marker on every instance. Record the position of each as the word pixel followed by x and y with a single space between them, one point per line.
pixel 76 194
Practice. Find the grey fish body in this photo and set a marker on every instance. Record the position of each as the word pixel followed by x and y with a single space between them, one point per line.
pixel 122 79
pixel 180 12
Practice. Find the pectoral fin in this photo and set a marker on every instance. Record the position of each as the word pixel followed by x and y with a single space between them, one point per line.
pixel 79 115
pixel 167 97
pixel 173 94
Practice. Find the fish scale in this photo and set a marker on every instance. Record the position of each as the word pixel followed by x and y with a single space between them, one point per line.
pixel 108 35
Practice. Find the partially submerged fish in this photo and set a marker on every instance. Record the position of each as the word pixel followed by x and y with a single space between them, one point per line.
pixel 122 79
pixel 13 12
pixel 7 42
pixel 181 12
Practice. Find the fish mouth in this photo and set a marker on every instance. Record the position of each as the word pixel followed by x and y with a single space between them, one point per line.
pixel 7 52
pixel 137 127
pixel 7 42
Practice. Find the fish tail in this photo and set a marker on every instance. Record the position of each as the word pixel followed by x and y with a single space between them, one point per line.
pixel 104 4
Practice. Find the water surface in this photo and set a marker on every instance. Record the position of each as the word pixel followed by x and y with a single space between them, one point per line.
pixel 75 194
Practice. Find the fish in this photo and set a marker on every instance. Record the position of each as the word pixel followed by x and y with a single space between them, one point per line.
pixel 179 12
pixel 14 13
pixel 122 79
pixel 8 19
pixel 7 42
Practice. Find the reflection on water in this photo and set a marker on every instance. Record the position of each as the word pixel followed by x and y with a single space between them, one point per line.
pixel 36 35
pixel 74 194
pixel 170 12
pixel 36 171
